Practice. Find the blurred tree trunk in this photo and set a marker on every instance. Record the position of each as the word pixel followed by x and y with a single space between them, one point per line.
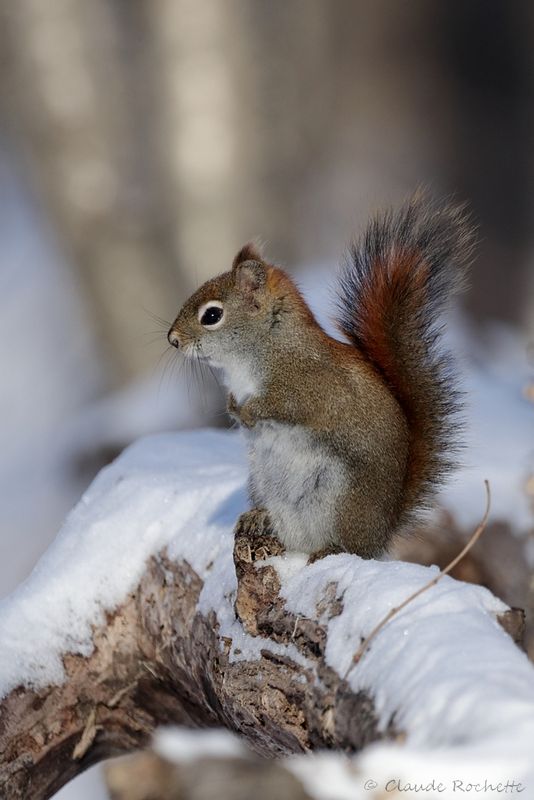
pixel 234 82
pixel 485 53
pixel 196 51
pixel 76 87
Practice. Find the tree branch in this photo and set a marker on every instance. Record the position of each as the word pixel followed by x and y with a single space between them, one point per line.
pixel 263 657
pixel 158 660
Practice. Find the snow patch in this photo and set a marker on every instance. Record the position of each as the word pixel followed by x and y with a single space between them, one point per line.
pixel 180 491
pixel 179 745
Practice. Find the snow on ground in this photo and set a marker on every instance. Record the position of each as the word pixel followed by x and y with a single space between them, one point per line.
pixel 87 786
pixel 499 436
pixel 469 700
pixel 48 369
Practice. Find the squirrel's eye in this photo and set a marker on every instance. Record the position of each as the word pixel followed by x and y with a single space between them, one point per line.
pixel 211 314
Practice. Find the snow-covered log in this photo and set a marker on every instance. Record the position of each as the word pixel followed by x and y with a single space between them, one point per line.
pixel 143 613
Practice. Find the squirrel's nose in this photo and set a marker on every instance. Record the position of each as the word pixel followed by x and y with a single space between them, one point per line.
pixel 172 338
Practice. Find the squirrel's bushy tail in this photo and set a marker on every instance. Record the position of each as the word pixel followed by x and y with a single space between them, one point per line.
pixel 395 283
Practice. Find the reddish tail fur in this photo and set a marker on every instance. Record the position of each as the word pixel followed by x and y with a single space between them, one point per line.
pixel 395 283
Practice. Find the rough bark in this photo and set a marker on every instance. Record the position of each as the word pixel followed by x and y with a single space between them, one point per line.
pixel 158 660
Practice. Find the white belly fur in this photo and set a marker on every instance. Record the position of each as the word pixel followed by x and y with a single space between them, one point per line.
pixel 297 481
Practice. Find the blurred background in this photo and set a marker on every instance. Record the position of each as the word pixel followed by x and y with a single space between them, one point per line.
pixel 143 141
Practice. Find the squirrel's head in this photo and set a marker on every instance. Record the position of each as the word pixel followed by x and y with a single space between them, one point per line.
pixel 230 315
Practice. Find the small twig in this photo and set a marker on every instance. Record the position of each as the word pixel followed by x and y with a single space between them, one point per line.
pixel 474 538
pixel 117 697
pixel 150 669
pixel 87 737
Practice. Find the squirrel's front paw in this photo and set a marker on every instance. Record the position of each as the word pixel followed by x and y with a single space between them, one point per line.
pixel 232 408
pixel 247 417
pixel 244 413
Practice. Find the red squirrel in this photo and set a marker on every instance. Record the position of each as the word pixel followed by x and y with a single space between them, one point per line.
pixel 347 440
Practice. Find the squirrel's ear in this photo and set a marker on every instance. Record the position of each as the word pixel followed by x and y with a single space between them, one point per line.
pixel 250 276
pixel 249 252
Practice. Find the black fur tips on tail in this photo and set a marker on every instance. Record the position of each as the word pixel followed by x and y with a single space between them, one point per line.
pixel 396 282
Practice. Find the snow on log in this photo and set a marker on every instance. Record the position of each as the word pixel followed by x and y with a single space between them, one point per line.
pixel 142 613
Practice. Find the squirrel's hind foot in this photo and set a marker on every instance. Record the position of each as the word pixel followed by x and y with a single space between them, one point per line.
pixel 332 550
pixel 254 539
